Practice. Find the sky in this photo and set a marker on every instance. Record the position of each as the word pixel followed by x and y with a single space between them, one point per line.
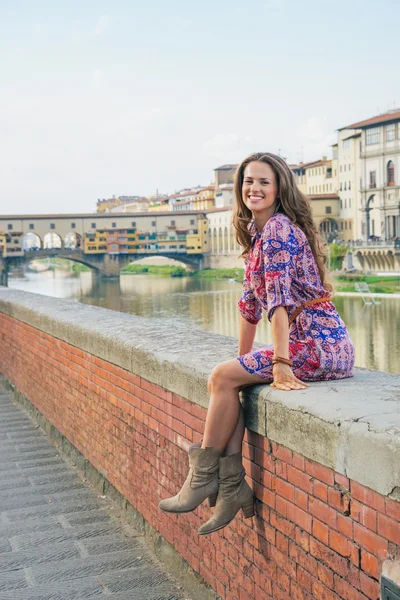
pixel 130 98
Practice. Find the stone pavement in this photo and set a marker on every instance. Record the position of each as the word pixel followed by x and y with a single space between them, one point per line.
pixel 58 539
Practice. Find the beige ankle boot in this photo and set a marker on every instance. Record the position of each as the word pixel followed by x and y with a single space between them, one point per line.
pixel 201 482
pixel 234 494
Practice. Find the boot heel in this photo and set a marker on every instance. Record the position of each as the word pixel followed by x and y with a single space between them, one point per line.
pixel 212 499
pixel 248 509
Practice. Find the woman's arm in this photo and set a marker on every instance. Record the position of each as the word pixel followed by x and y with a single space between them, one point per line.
pixel 247 332
pixel 280 332
pixel 284 378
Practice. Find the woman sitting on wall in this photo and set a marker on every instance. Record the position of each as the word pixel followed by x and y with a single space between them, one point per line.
pixel 285 275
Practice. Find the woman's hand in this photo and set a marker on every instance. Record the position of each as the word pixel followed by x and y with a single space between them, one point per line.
pixel 285 379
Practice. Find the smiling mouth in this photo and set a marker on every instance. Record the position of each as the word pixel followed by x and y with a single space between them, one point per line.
pixel 255 198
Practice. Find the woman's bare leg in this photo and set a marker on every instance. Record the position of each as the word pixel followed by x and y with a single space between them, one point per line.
pixel 224 427
pixel 234 446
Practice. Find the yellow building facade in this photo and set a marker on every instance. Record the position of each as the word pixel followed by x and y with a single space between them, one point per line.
pixel 198 243
pixel 204 199
pixel 3 244
pixel 95 242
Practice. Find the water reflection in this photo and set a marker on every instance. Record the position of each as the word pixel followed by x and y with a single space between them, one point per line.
pixel 211 305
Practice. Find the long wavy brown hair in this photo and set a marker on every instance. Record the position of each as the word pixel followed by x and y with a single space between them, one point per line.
pixel 292 202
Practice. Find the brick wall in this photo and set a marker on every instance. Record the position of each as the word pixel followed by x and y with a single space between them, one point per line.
pixel 317 535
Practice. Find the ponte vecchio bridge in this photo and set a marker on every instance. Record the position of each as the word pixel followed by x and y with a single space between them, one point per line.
pixel 106 242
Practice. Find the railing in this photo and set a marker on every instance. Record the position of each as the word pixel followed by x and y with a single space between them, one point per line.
pixel 372 244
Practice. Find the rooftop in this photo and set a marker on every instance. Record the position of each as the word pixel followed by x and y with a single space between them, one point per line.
pixel 331 196
pixel 227 168
pixel 391 115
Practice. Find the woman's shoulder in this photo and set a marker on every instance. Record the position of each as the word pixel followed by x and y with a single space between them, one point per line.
pixel 280 227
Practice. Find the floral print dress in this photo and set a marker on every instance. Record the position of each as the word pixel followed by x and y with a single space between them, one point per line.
pixel 280 270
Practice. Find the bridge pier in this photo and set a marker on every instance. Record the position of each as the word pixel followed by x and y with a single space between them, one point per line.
pixel 3 273
pixel 110 266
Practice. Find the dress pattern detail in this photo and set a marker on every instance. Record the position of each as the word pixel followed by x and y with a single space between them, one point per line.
pixel 280 270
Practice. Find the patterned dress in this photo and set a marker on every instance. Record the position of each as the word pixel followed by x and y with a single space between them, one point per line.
pixel 280 270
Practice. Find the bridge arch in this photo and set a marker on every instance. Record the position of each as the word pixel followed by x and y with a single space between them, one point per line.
pixel 220 241
pixel 73 240
pixel 52 240
pixel 214 245
pixel 328 229
pixel 32 240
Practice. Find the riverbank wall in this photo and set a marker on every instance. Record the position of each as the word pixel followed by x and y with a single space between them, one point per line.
pixel 125 396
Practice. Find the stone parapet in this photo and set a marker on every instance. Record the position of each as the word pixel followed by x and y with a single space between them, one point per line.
pixel 130 394
pixel 351 426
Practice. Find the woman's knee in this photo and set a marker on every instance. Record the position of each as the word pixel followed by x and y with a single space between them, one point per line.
pixel 219 378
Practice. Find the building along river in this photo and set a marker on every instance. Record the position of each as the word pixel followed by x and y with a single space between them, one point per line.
pixel 211 304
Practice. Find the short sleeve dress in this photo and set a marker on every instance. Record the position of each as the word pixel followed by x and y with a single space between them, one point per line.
pixel 280 270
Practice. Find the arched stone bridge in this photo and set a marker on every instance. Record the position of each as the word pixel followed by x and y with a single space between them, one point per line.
pixel 106 265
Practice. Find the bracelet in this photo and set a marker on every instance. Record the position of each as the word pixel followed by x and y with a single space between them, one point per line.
pixel 280 359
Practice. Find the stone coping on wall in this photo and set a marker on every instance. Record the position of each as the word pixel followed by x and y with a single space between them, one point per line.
pixel 352 426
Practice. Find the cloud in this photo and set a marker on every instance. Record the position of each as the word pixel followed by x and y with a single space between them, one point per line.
pixel 316 136
pixel 101 26
pixel 226 141
pixel 96 78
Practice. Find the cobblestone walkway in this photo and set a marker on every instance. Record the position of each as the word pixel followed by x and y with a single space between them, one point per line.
pixel 58 540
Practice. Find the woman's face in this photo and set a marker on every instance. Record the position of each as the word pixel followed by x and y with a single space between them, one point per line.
pixel 260 189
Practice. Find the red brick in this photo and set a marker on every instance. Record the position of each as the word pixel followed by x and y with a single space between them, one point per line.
pixel 267 479
pixel 266 461
pixel 302 539
pixel 282 525
pixel 389 529
pixel 320 592
pixel 320 490
pixel 355 554
pixel 282 579
pixel 320 472
pixel 345 525
pixel 248 451
pixel 266 496
pixel 304 579
pixel 279 594
pixel 339 500
pixel 281 506
pixel 299 516
pixel 339 543
pixel 364 514
pixel 303 559
pixel 301 499
pixel 252 470
pixel 285 489
pixel 370 541
pixel 299 479
pixel 262 583
pixel 283 562
pixel 323 512
pixel 320 531
pixel 299 462
pixel 281 469
pixel 370 564
pixel 342 481
pixel 369 587
pixel 325 575
pixel 367 496
pixel 338 564
pixel 392 508
pixel 345 590
pixel 282 453
pixel 282 543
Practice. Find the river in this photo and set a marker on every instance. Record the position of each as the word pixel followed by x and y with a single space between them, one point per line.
pixel 211 305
